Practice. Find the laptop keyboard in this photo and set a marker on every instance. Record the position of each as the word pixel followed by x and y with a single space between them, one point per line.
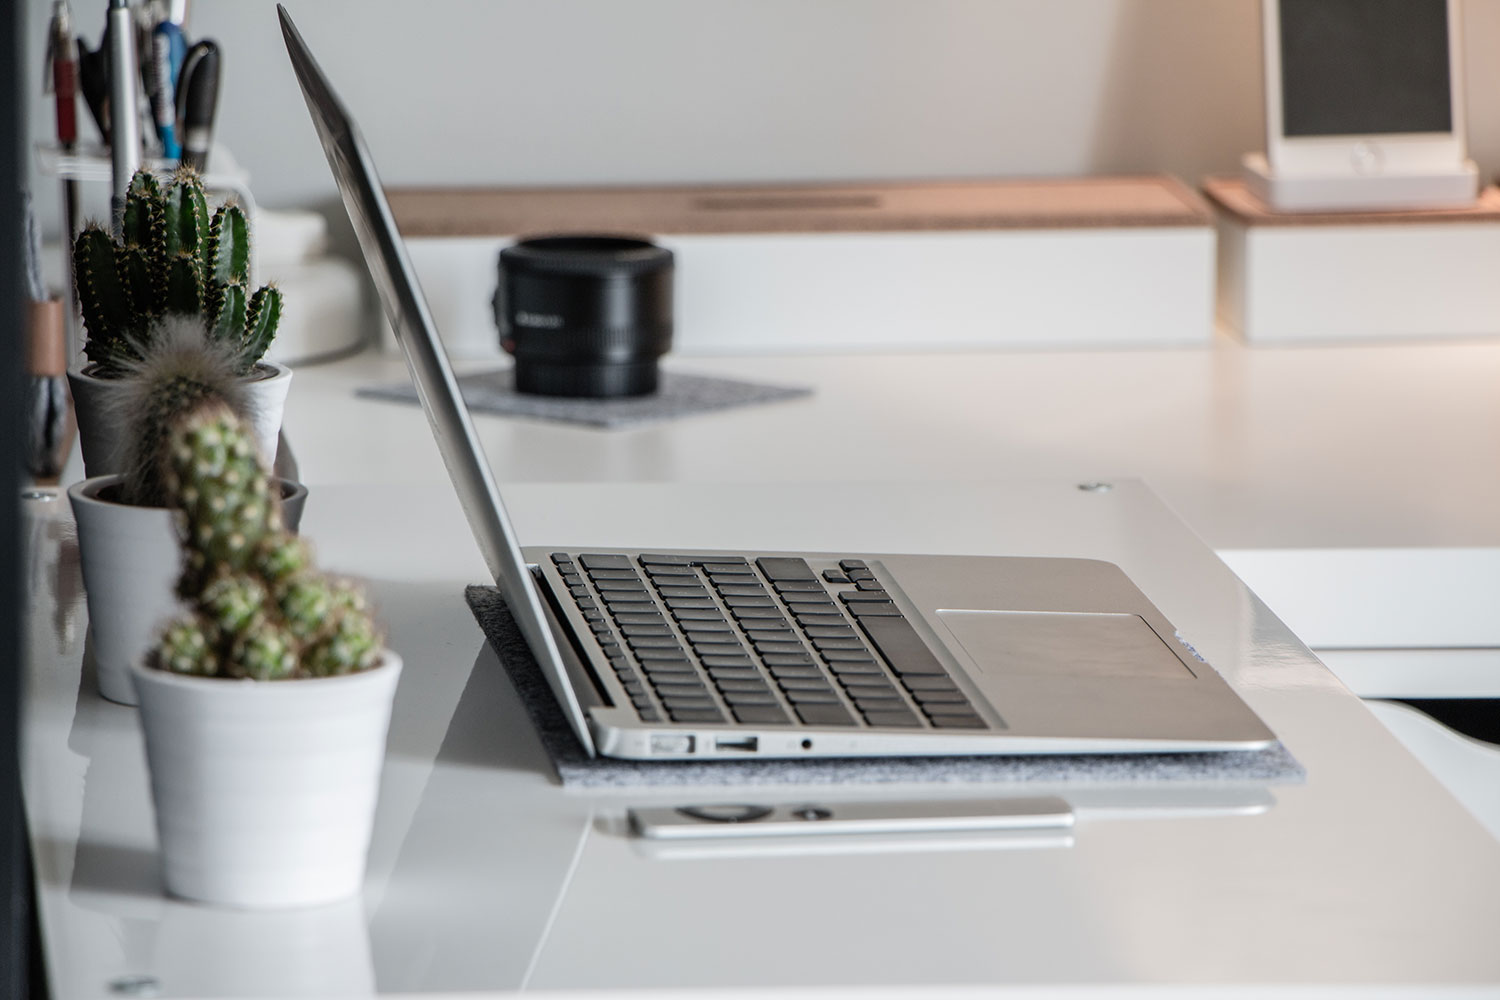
pixel 725 640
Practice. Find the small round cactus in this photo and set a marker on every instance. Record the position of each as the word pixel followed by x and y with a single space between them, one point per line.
pixel 259 609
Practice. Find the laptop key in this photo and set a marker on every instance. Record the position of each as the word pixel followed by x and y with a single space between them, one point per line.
pixel 561 557
pixel 667 590
pixel 846 655
pixel 847 564
pixel 806 598
pixel 718 649
pixel 840 643
pixel 903 720
pixel 648 714
pixel 874 609
pixel 674 653
pixel 834 576
pixel 809 620
pixel 690 603
pixel 749 602
pixel 959 722
pixel 787 659
pixel 781 645
pixel 738 698
pixel 762 715
pixel 658 559
pixel 736 673
pixel 950 696
pixel 839 631
pixel 800 698
pixel 728 660
pixel 928 682
pixel 666 673
pixel 596 560
pixel 741 589
pixel 798 587
pixel 777 568
pixel 753 616
pixel 658 627
pixel 698 614
pixel 899 643
pixel 704 627
pixel 640 642
pixel 756 686
pixel 825 715
pixel 861 669
pixel 648 617
pixel 695 715
pixel 614 574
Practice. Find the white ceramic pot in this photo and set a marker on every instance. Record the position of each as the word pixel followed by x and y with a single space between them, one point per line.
pixel 101 434
pixel 265 790
pixel 131 560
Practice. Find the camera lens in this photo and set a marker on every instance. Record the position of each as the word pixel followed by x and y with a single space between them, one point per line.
pixel 585 315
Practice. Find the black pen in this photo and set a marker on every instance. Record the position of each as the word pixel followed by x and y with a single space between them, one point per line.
pixel 198 97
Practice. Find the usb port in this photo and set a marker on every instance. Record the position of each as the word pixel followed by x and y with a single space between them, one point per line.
pixel 744 744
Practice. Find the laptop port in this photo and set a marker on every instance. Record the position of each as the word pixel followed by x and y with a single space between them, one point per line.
pixel 744 744
pixel 671 743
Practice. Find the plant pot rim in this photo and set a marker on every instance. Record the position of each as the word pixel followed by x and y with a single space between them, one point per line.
pixel 275 370
pixel 390 662
pixel 88 490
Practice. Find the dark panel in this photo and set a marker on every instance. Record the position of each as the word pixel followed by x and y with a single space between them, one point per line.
pixel 15 871
pixel 1364 67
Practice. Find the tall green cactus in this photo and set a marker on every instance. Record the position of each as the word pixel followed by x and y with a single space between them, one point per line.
pixel 258 609
pixel 172 258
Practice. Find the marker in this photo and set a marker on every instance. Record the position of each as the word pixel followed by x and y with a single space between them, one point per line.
pixel 62 82
pixel 167 52
pixel 198 102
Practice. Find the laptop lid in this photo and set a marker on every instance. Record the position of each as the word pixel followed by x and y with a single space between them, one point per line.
pixel 406 307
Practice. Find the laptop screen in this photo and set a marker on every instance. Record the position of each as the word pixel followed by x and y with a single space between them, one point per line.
pixel 385 256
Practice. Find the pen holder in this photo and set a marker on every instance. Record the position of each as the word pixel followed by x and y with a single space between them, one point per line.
pixel 585 315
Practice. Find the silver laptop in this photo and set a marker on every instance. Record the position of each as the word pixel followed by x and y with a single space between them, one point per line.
pixel 672 654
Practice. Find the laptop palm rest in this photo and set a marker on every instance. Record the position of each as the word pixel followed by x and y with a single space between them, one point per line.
pixel 1075 644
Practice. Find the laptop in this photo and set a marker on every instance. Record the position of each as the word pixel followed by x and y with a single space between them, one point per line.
pixel 677 654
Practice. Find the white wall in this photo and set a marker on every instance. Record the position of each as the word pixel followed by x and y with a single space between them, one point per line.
pixel 598 91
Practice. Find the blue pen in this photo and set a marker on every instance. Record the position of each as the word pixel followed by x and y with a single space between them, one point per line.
pixel 167 52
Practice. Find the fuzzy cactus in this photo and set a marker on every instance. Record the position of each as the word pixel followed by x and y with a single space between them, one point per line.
pixel 258 608
pixel 171 258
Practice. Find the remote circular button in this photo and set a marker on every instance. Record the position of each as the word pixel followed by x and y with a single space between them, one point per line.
pixel 729 813
pixel 811 813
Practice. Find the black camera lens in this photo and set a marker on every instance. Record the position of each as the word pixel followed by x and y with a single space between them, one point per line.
pixel 585 315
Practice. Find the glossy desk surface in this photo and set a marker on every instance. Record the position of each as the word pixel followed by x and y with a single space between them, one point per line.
pixel 485 877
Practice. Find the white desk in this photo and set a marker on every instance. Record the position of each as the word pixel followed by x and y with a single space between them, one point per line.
pixel 485 877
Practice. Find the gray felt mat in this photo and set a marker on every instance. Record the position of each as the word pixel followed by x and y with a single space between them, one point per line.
pixel 575 767
pixel 678 395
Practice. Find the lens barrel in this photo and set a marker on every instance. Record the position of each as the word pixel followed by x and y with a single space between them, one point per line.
pixel 585 315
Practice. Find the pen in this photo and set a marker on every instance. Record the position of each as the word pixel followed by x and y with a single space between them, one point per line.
pixel 167 51
pixel 62 82
pixel 125 126
pixel 198 98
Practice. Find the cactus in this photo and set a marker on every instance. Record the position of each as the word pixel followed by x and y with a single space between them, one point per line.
pixel 172 258
pixel 183 369
pixel 258 608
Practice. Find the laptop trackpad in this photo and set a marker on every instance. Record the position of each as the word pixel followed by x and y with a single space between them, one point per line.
pixel 1062 643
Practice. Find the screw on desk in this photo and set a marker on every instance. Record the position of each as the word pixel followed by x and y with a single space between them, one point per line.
pixel 1096 487
pixel 135 986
